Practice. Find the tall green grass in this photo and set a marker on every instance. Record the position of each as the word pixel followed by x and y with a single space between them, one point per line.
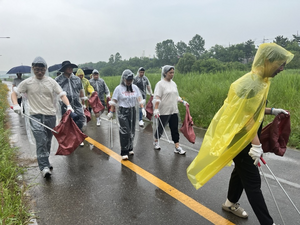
pixel 206 93
pixel 13 208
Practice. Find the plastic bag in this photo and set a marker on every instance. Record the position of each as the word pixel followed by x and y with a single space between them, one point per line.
pixel 69 136
pixel 87 115
pixel 149 108
pixel 95 103
pixel 187 126
pixel 275 136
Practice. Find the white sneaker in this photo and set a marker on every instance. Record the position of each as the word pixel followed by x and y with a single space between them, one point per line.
pixel 46 172
pixel 179 151
pixel 82 144
pixel 98 123
pixel 156 146
pixel 141 123
pixel 124 157
pixel 131 153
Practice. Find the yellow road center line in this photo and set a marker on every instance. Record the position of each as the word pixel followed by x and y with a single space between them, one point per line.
pixel 183 198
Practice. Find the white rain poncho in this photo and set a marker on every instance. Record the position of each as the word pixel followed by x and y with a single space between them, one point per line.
pixel 166 93
pixel 126 98
pixel 143 83
pixel 72 86
pixel 40 99
pixel 101 88
pixel 235 125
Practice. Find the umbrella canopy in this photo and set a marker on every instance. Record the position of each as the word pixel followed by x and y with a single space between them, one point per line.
pixel 19 69
pixel 54 67
pixel 87 70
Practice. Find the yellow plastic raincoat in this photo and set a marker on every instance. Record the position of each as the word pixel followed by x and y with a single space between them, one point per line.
pixel 88 88
pixel 235 125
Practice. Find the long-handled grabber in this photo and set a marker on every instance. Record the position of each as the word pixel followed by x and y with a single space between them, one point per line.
pixel 264 162
pixel 37 122
pixel 259 166
pixel 164 129
pixel 111 135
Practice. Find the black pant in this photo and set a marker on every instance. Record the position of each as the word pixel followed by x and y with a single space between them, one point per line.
pixel 173 124
pixel 245 175
pixel 127 118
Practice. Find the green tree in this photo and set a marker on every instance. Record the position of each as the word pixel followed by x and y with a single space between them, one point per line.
pixel 280 40
pixel 111 59
pixel 118 57
pixel 197 45
pixel 185 63
pixel 249 50
pixel 182 48
pixel 166 52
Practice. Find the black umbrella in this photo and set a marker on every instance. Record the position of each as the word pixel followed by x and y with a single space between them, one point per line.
pixel 19 69
pixel 54 67
pixel 87 70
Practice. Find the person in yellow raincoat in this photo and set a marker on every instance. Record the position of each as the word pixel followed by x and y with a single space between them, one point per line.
pixel 233 134
pixel 87 87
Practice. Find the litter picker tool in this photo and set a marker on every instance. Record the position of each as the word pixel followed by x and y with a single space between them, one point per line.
pixel 111 134
pixel 37 122
pixel 264 162
pixel 163 129
pixel 270 191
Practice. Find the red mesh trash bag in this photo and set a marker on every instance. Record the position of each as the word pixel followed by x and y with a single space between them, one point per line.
pixel 95 102
pixel 69 136
pixel 187 126
pixel 149 108
pixel 87 115
pixel 275 136
pixel 107 103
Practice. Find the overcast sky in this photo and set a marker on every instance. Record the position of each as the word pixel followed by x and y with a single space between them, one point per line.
pixel 91 30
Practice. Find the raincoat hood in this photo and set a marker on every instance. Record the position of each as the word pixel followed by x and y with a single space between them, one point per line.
pixel 79 72
pixel 166 69
pixel 269 57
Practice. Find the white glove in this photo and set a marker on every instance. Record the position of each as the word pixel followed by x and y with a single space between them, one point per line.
pixel 256 152
pixel 275 111
pixel 144 112
pixel 84 107
pixel 185 103
pixel 69 107
pixel 110 115
pixel 156 113
pixel 17 109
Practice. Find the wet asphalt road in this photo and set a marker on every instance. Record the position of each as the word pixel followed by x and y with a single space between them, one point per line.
pixel 93 187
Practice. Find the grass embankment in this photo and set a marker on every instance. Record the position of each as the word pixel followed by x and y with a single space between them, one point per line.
pixel 206 92
pixel 12 197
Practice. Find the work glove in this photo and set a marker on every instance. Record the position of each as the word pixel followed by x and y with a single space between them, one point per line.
pixel 144 112
pixel 156 113
pixel 110 115
pixel 185 103
pixel 275 111
pixel 84 98
pixel 69 107
pixel 256 152
pixel 17 109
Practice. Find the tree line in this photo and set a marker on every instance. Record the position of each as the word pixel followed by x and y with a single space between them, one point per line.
pixel 193 57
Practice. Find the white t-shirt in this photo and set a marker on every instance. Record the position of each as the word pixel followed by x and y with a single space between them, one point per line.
pixel 167 92
pixel 126 99
pixel 40 94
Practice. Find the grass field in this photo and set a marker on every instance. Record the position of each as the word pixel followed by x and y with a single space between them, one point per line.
pixel 206 92
pixel 13 208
